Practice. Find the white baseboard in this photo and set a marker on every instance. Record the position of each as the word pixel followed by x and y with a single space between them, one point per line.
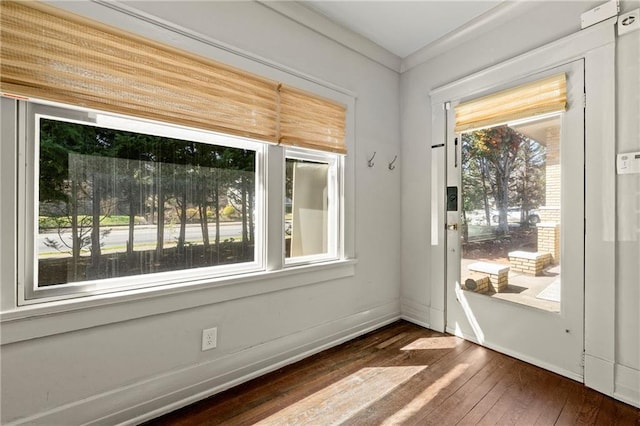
pixel 414 312
pixel 627 386
pixel 159 395
pixel 599 374
pixel 437 319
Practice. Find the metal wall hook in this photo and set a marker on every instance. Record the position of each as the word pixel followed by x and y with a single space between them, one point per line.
pixel 370 162
pixel 391 164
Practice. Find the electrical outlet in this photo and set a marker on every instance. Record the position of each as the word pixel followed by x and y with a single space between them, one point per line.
pixel 209 338
pixel 628 22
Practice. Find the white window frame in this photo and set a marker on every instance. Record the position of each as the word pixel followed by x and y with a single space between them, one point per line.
pixel 28 178
pixel 334 213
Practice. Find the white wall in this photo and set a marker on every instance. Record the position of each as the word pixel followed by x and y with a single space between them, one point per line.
pixel 628 219
pixel 118 361
pixel 104 360
pixel 535 25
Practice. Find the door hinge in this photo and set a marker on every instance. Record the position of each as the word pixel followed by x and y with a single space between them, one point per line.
pixel 584 100
pixel 582 360
pixel 447 106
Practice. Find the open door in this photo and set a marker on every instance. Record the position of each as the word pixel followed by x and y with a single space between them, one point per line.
pixel 515 228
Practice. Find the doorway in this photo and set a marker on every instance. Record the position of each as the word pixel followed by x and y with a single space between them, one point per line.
pixel 515 235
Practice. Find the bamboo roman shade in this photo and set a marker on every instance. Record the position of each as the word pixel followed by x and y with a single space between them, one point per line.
pixel 53 55
pixel 310 123
pixel 539 97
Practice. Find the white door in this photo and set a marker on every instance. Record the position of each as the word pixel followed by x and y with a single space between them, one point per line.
pixel 515 240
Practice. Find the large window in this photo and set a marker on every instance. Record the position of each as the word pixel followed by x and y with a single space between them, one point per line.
pixel 122 202
pixel 110 198
pixel 116 203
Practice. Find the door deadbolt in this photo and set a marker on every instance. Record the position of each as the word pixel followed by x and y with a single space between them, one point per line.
pixel 452 227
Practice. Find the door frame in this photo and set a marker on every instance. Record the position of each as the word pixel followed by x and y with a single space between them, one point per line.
pixel 596 46
pixel 531 331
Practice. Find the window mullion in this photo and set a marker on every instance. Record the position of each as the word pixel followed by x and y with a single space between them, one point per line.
pixel 274 194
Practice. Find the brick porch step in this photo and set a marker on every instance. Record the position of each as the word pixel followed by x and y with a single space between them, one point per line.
pixel 532 263
pixel 477 281
pixel 498 274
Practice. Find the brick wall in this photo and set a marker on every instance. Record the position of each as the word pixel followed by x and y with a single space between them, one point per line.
pixel 549 240
pixel 549 228
pixel 549 214
pixel 529 263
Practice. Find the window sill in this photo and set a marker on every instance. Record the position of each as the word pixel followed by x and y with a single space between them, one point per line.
pixel 46 319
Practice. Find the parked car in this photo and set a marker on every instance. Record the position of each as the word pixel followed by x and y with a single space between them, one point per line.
pixel 514 216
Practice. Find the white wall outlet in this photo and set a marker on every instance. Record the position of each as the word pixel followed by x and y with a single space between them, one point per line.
pixel 628 22
pixel 209 338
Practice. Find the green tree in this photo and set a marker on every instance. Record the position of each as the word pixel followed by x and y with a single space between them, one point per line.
pixel 133 153
pixel 498 148
pixel 528 182
pixel 241 189
pixel 72 185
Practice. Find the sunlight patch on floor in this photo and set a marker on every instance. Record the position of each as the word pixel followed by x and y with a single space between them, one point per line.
pixel 344 398
pixel 425 343
pixel 420 401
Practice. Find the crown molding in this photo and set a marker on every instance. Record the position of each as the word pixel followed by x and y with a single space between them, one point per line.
pixel 499 15
pixel 320 24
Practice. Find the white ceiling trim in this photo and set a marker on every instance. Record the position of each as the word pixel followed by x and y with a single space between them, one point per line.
pixel 321 24
pixel 485 22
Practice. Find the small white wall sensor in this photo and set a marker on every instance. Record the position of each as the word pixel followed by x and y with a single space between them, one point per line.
pixel 628 163
pixel 599 13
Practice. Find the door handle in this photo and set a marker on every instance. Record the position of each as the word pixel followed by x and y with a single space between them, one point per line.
pixel 452 227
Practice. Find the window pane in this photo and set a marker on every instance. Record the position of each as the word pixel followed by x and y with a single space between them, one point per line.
pixel 115 203
pixel 306 208
pixel 511 212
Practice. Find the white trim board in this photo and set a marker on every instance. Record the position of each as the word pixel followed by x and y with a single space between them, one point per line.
pixel 627 385
pixel 497 16
pixel 73 314
pixel 567 49
pixel 155 396
pixel 414 312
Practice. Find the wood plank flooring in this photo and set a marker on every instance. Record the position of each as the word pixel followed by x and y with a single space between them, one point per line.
pixel 403 374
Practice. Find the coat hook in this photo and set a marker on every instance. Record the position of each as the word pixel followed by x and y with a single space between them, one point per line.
pixel 370 162
pixel 391 164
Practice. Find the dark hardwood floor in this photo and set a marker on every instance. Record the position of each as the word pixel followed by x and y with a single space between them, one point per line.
pixel 405 374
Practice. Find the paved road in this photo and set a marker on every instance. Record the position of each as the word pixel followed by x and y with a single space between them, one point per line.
pixel 146 235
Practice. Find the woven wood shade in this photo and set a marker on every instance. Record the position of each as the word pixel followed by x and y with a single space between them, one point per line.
pixel 539 97
pixel 50 54
pixel 311 122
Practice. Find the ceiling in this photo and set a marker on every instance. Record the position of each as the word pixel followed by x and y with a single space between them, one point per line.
pixel 402 27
